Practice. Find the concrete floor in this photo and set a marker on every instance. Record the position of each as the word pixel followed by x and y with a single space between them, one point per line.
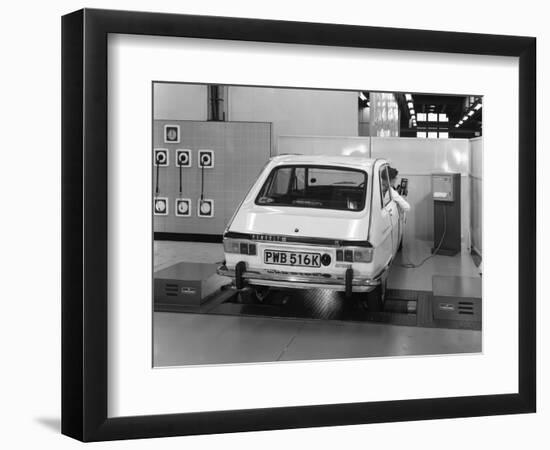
pixel 188 338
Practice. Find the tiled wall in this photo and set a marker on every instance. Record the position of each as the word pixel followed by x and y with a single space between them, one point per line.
pixel 241 150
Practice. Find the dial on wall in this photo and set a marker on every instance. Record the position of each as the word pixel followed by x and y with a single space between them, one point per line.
pixel 171 134
pixel 183 207
pixel 160 206
pixel 183 158
pixel 206 159
pixel 205 208
pixel 161 157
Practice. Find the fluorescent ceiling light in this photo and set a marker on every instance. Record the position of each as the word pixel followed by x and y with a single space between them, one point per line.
pixel 410 104
pixel 471 113
pixel 465 118
pixel 408 97
pixel 362 96
pixel 477 107
pixel 457 125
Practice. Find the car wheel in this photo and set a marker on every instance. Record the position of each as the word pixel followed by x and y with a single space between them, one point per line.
pixel 374 301
pixel 261 292
pixel 240 269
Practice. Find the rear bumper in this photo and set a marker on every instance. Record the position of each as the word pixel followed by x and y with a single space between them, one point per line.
pixel 296 280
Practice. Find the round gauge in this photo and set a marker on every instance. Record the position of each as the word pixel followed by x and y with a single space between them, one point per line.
pixel 206 208
pixel 171 134
pixel 183 207
pixel 160 205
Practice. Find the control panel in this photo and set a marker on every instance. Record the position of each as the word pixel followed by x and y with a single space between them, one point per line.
pixel 443 187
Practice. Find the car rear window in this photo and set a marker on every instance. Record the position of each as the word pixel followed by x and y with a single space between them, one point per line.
pixel 323 187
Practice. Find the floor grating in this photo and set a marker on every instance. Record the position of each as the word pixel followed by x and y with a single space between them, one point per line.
pixel 402 307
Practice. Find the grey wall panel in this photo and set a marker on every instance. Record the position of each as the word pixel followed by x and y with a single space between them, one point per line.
pixel 240 149
pixel 424 156
pixel 324 145
pixel 247 149
pixel 296 111
pixel 476 178
pixel 179 101
pixel 417 159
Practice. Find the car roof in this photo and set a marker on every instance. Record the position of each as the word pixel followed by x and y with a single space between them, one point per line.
pixel 325 160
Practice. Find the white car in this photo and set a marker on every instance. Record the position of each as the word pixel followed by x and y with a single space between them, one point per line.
pixel 316 222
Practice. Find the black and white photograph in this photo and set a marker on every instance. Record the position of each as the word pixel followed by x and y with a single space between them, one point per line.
pixel 275 225
pixel 314 224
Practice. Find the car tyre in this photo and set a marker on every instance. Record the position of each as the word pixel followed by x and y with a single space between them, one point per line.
pixel 374 301
pixel 240 269
pixel 261 292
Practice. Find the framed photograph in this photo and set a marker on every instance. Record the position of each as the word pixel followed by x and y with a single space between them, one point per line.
pixel 336 268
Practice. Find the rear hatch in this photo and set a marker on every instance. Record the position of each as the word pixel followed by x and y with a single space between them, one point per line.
pixel 301 222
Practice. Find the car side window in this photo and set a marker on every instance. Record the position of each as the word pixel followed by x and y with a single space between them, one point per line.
pixel 385 196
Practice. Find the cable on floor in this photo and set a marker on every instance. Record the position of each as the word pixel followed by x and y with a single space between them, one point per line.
pixel 410 265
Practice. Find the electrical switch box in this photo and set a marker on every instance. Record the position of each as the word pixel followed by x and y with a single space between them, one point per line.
pixel 183 158
pixel 447 216
pixel 185 285
pixel 456 298
pixel 160 206
pixel 205 208
pixel 206 159
pixel 183 207
pixel 443 187
pixel 161 157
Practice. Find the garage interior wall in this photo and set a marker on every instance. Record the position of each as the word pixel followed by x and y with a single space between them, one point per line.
pixel 173 101
pixel 430 155
pixel 476 182
pixel 268 121
pixel 302 112
pixel 324 145
pixel 240 152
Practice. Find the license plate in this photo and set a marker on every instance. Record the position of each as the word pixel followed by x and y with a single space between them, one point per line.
pixel 300 259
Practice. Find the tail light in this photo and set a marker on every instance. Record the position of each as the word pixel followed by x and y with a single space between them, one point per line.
pixel 362 255
pixel 239 246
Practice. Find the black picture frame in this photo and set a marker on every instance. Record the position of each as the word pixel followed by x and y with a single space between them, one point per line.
pixel 84 224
